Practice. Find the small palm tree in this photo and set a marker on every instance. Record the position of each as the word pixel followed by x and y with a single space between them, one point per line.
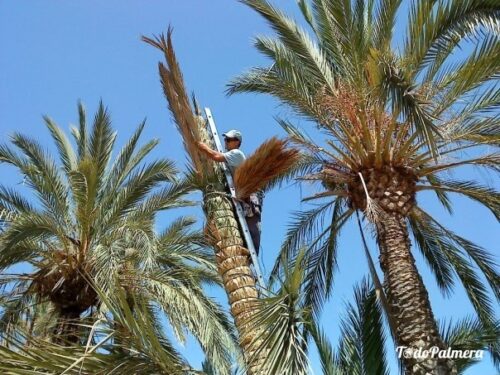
pixel 93 219
pixel 396 119
pixel 285 320
pixel 361 345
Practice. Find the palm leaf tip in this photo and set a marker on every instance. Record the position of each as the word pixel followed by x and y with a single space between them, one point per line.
pixel 271 160
pixel 186 119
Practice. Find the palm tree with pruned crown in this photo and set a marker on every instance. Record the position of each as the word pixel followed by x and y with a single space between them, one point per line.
pixel 271 160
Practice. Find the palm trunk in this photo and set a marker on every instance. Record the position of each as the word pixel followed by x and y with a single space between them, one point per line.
pixel 233 263
pixel 408 299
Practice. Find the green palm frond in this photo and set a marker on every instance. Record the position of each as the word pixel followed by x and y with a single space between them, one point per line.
pixel 362 334
pixel 470 334
pixel 44 175
pixel 431 249
pixel 284 318
pixel 488 197
pixel 294 38
pixel 144 350
pixel 405 100
pixel 101 142
pixel 326 352
pixel 66 152
pixel 14 306
pixel 28 228
pixel 483 103
pixel 169 197
pixel 434 26
pixel 305 226
pixel 479 68
pixel 322 262
pixel 12 201
pixel 307 12
pixel 432 237
pixel 362 338
pixel 186 307
pixel 384 23
pixel 284 84
pixel 80 134
pixel 127 159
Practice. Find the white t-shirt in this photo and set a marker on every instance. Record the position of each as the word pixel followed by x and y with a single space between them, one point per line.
pixel 234 158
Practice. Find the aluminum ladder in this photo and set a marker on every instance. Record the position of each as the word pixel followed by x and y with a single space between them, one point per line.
pixel 239 210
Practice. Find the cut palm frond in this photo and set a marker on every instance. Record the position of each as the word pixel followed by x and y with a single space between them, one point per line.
pixel 270 161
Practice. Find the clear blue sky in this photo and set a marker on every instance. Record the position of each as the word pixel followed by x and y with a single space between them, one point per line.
pixel 56 52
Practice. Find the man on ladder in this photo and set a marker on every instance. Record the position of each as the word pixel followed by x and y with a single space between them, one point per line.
pixel 233 157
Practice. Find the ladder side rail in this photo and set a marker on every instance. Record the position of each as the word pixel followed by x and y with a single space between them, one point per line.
pixel 239 209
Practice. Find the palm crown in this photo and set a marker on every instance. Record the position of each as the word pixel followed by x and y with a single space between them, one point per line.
pixel 85 209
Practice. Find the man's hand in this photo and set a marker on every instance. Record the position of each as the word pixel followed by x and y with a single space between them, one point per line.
pixel 212 154
pixel 202 146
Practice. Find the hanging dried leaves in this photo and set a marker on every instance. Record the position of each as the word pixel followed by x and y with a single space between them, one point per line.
pixel 272 159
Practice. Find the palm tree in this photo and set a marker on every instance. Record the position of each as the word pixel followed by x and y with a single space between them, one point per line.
pixel 222 229
pixel 396 118
pixel 361 345
pixel 92 219
pixel 284 320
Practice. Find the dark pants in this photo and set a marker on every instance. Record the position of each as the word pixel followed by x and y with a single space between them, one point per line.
pixel 253 223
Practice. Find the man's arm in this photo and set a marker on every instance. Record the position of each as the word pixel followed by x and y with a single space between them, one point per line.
pixel 212 154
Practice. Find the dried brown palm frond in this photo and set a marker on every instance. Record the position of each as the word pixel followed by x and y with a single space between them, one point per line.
pixel 175 91
pixel 272 159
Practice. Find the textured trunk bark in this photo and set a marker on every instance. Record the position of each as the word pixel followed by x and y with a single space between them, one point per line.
pixel 408 300
pixel 233 263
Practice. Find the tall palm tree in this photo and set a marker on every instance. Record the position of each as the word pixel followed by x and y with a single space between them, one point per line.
pixel 233 261
pixel 92 218
pixel 397 115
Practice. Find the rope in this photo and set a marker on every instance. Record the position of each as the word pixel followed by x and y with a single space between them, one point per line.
pixel 372 211
pixel 378 285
